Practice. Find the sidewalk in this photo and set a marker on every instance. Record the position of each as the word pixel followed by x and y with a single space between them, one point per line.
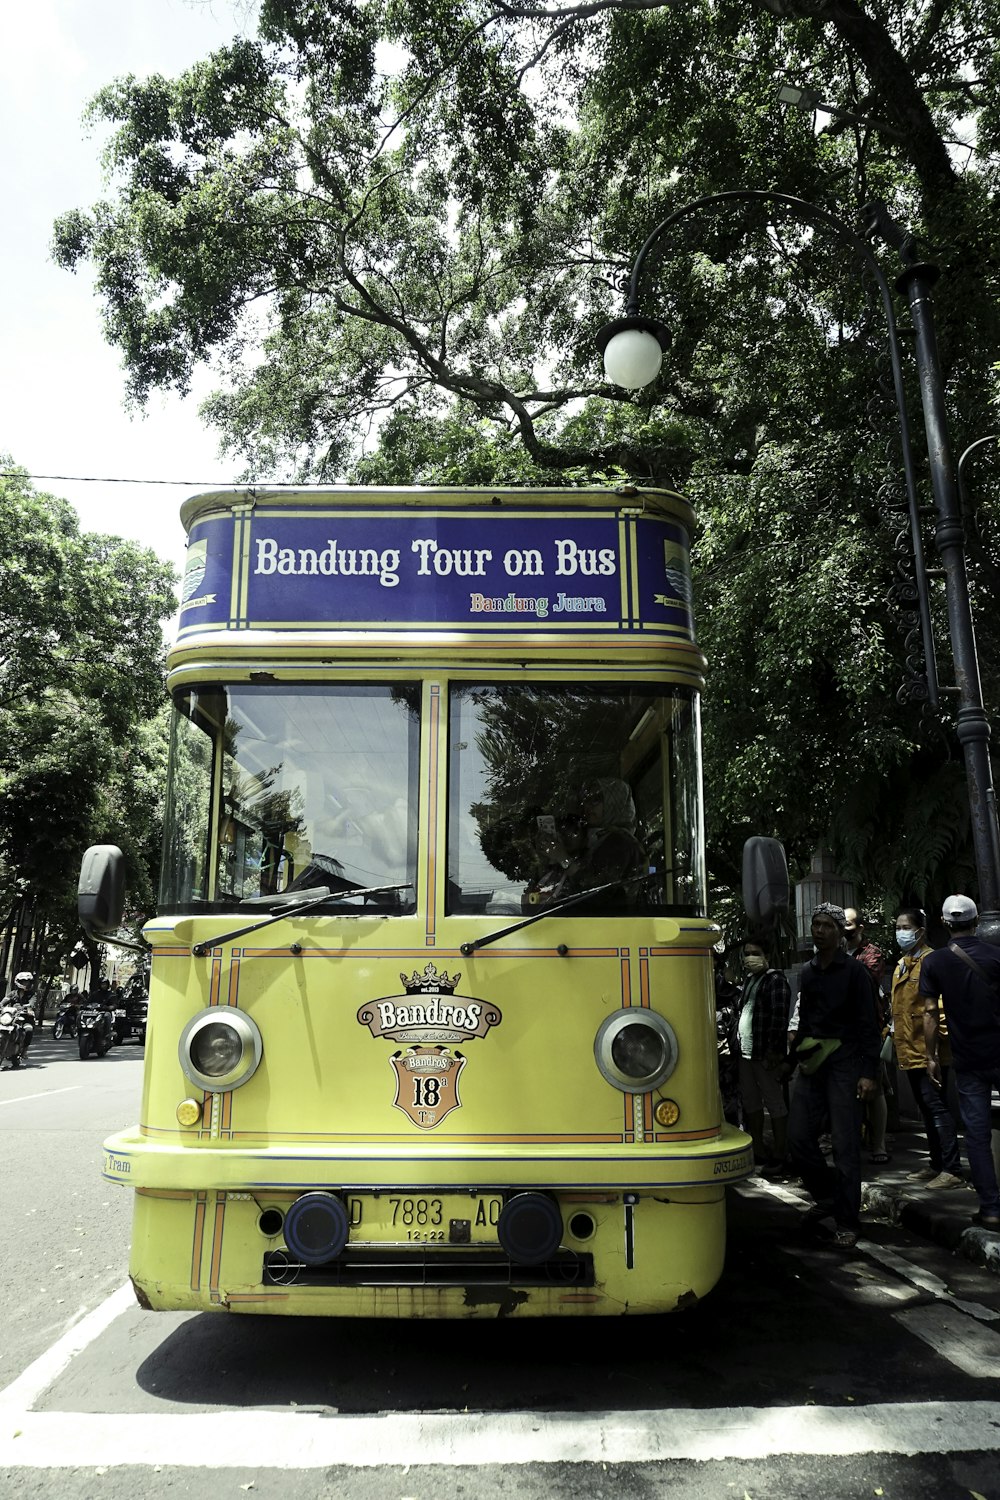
pixel 944 1216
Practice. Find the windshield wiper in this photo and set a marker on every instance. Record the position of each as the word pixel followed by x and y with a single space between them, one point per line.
pixel 293 908
pixel 491 937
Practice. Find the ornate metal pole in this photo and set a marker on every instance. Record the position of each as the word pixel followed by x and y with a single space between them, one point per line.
pixel 972 726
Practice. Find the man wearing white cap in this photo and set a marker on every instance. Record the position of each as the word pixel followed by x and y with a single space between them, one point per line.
pixel 966 977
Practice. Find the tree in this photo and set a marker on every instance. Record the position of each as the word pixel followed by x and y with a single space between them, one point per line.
pixel 81 683
pixel 396 228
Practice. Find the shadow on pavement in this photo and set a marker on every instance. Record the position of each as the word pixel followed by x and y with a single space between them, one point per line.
pixel 777 1330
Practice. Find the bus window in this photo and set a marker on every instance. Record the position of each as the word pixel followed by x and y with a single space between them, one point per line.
pixel 311 786
pixel 194 730
pixel 555 790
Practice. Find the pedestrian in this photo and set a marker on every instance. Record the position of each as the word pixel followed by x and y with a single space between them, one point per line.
pixel 945 1170
pixel 761 1031
pixel 966 977
pixel 837 1051
pixel 867 954
pixel 726 999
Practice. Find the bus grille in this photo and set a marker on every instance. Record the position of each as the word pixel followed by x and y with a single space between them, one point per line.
pixel 432 1266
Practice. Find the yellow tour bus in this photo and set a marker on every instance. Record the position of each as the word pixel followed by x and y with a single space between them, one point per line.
pixel 431 1019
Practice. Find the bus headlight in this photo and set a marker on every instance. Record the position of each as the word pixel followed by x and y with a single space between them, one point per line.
pixel 220 1049
pixel 636 1049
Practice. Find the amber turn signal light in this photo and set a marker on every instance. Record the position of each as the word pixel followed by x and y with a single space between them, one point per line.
pixel 188 1112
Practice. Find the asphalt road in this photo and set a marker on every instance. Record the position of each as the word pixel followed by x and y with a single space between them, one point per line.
pixel 807 1373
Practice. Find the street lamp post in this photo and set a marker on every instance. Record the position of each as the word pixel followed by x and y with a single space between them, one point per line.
pixel 971 726
pixel 633 349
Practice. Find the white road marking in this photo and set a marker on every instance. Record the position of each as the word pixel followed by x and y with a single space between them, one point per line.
pixel 966 1345
pixel 46 1094
pixel 927 1281
pixel 307 1440
pixel 30 1384
pixel 751 1185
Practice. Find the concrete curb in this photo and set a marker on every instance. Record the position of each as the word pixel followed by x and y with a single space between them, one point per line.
pixel 916 1213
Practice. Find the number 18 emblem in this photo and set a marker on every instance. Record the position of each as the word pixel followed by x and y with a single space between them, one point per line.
pixel 427 1083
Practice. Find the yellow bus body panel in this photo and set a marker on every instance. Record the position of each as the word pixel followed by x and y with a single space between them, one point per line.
pixel 321 1112
pixel 365 1087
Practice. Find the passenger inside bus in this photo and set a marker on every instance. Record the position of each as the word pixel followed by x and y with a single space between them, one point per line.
pixel 613 851
pixel 560 850
pixel 592 848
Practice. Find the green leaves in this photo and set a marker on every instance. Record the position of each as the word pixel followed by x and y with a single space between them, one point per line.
pixel 393 229
pixel 81 675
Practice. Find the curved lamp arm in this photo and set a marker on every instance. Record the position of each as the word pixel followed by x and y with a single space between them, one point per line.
pixel 633 349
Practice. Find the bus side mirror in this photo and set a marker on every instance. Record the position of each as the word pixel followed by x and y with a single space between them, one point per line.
pixel 765 879
pixel 100 897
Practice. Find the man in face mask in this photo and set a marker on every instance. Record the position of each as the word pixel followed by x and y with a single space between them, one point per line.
pixel 945 1169
pixel 761 1031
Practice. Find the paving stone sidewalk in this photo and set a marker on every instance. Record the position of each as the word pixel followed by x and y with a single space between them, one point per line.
pixel 943 1215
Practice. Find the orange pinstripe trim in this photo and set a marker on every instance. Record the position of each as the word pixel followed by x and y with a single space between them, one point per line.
pixel 216 984
pixel 365 955
pixel 220 1219
pixel 243 1297
pixel 628 1123
pixel 644 982
pixel 705 952
pixel 234 978
pixel 381 1139
pixel 197 1242
pixel 665 1138
pixel 432 813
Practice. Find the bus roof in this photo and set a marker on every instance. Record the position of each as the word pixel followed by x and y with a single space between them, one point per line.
pixel 649 498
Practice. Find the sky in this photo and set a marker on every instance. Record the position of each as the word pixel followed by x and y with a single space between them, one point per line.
pixel 62 406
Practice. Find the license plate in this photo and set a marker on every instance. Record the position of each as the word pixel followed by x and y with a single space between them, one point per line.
pixel 413 1218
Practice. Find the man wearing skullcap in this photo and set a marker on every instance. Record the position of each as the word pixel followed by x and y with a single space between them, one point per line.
pixel 838 1054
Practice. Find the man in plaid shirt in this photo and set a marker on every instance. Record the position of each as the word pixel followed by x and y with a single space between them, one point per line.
pixel 762 1029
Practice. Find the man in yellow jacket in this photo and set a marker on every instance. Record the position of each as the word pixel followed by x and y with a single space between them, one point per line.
pixel 911 1053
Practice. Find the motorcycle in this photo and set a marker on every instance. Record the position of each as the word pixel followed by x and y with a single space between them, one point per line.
pixel 130 1017
pixel 17 1027
pixel 65 1023
pixel 119 1024
pixel 95 1029
pixel 136 1012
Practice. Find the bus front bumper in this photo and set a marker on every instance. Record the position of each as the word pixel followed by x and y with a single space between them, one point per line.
pixel 136 1161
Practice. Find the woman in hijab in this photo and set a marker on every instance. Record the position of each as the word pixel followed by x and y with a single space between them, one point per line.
pixel 613 851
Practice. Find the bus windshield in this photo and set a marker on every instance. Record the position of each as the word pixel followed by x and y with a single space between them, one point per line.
pixel 276 788
pixel 555 790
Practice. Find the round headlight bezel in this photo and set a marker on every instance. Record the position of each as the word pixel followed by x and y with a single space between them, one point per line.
pixel 611 1029
pixel 251 1048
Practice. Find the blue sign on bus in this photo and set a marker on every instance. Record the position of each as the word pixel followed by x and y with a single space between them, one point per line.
pixel 511 570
